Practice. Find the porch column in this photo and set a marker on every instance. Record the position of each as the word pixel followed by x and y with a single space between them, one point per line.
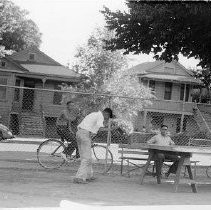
pixel 183 107
pixel 43 82
pixel 41 106
pixel 42 93
pixel 200 94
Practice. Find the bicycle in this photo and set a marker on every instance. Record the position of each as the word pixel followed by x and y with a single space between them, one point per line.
pixel 208 171
pixel 49 155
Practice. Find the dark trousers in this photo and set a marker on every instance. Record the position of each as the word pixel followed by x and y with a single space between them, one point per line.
pixel 161 156
pixel 65 134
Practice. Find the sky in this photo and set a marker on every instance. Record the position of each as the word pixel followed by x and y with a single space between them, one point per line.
pixel 67 24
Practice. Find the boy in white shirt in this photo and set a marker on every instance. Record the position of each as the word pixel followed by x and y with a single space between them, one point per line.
pixel 91 124
pixel 163 139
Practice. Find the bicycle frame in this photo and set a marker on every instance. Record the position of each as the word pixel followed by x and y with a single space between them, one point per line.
pixel 53 153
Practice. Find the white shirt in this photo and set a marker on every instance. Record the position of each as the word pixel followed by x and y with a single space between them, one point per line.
pixel 161 140
pixel 92 122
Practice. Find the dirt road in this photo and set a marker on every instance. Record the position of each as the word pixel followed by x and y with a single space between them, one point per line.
pixel 25 184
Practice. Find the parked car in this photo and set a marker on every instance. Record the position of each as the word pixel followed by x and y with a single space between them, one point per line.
pixel 5 132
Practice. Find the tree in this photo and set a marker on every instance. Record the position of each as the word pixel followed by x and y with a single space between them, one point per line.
pixel 163 28
pixel 17 32
pixel 205 76
pixel 97 63
pixel 122 92
pixel 109 83
pixel 131 96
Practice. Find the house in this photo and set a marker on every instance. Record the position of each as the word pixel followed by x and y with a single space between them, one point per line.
pixel 27 109
pixel 172 84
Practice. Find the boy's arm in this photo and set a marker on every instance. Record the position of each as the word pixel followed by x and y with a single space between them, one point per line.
pixel 152 140
pixel 171 142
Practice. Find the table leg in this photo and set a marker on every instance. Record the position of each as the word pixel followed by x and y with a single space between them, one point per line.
pixel 193 185
pixel 176 180
pixel 158 164
pixel 146 167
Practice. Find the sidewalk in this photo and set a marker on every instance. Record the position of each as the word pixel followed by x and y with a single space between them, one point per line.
pixel 30 144
pixel 24 140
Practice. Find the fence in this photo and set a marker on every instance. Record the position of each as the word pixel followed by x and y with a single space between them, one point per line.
pixel 32 113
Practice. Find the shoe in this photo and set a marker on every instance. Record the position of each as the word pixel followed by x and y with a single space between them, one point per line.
pixel 91 179
pixel 79 181
pixel 167 175
pixel 67 158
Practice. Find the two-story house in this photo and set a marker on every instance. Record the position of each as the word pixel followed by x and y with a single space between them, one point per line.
pixel 172 85
pixel 25 108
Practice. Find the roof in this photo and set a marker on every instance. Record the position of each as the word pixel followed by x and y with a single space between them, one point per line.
pixel 60 71
pixel 155 70
pixel 41 58
pixel 175 78
pixel 11 70
pixel 143 67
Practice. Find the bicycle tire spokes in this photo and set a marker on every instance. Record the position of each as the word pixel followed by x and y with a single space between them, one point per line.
pixel 49 154
pixel 102 159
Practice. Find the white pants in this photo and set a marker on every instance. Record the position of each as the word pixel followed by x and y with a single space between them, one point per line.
pixel 84 145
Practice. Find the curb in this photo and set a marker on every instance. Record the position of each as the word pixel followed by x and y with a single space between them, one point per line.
pixel 20 142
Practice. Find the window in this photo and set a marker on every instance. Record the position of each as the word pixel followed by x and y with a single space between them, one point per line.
pixel 17 90
pixel 3 64
pixel 31 56
pixel 184 93
pixel 57 97
pixel 140 80
pixel 184 126
pixel 144 82
pixel 168 90
pixel 152 85
pixel 187 92
pixel 3 90
pixel 178 125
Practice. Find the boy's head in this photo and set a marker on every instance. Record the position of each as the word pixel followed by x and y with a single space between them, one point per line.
pixel 164 130
pixel 107 113
pixel 69 104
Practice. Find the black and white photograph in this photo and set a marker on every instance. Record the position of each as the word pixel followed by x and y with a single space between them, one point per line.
pixel 105 104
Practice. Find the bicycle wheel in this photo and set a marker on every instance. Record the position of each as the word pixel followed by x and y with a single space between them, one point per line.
pixel 100 163
pixel 208 171
pixel 49 154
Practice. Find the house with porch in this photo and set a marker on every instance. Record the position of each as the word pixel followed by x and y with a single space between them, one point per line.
pixel 29 104
pixel 172 84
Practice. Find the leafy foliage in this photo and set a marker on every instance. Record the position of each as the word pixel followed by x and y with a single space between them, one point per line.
pixel 87 99
pixel 108 84
pixel 163 28
pixel 205 76
pixel 95 62
pixel 122 92
pixel 17 32
pixel 130 97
